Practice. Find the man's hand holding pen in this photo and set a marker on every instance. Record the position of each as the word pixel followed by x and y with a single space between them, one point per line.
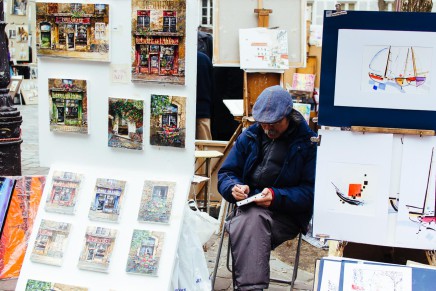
pixel 240 192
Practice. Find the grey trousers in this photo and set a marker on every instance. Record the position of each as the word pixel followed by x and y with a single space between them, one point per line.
pixel 254 231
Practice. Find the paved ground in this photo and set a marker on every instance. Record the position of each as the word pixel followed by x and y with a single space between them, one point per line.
pixel 30 166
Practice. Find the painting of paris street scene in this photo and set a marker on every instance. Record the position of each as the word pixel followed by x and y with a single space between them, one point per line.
pixel 73 30
pixel 125 123
pixel 51 242
pixel 68 105
pixel 63 193
pixel 97 249
pixel 108 195
pixel 158 41
pixel 168 121
pixel 36 285
pixel 145 251
pixel 156 201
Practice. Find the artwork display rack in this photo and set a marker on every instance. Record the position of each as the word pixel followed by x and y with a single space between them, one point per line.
pixel 336 247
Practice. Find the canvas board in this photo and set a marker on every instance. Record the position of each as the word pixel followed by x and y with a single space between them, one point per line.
pixel 6 190
pixel 416 225
pixel 352 186
pixel 230 16
pixel 388 69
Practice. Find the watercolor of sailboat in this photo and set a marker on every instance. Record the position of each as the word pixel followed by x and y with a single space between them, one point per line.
pixel 396 66
pixel 424 215
pixel 354 200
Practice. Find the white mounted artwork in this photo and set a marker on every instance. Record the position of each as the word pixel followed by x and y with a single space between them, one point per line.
pixel 416 221
pixel 352 186
pixel 263 49
pixel 386 69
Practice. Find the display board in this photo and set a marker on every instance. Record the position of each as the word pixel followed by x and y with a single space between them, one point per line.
pixel 378 70
pixel 230 16
pixel 100 249
pixel 379 191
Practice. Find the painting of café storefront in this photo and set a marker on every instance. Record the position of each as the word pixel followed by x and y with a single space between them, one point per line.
pixel 72 30
pixel 63 196
pixel 68 105
pixel 159 42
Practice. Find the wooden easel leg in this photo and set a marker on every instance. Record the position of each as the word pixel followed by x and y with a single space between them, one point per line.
pixel 431 257
pixel 336 248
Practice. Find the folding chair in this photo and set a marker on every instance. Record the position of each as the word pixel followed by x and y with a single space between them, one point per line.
pixel 230 208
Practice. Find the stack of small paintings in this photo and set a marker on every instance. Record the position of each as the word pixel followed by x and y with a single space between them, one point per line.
pixel 63 194
pixel 156 201
pixel 36 285
pixel 107 198
pixel 145 252
pixel 158 40
pixel 168 121
pixel 125 123
pixel 97 249
pixel 81 32
pixel 68 105
pixel 50 242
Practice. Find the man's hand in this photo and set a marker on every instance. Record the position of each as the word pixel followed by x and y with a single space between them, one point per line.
pixel 266 199
pixel 240 192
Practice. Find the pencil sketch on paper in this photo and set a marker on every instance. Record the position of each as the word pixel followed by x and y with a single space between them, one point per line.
pixel 405 69
pixel 108 195
pixel 50 242
pixel 424 215
pixel 97 249
pixel 376 277
pixel 63 194
pixel 156 201
pixel 145 251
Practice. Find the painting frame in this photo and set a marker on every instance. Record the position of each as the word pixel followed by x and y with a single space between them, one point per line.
pixel 346 116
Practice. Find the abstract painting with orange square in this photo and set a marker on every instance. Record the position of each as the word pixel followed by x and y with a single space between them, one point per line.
pixel 355 190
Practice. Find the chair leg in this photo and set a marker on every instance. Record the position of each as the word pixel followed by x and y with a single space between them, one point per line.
pixel 217 260
pixel 297 261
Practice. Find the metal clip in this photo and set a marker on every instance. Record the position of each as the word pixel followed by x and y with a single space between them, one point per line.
pixel 316 139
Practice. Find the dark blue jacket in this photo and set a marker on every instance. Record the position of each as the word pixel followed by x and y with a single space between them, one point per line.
pixel 293 188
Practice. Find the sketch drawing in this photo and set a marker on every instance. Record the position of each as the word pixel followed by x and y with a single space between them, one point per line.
pixel 359 277
pixel 424 215
pixel 145 252
pixel 64 191
pixel 156 201
pixel 97 249
pixel 50 243
pixel 108 195
pixel 399 67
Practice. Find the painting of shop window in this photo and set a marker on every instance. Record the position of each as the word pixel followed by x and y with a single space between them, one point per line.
pixel 158 41
pixel 156 201
pixel 97 249
pixel 68 105
pixel 51 242
pixel 168 121
pixel 145 251
pixel 63 194
pixel 37 285
pixel 126 117
pixel 107 198
pixel 73 30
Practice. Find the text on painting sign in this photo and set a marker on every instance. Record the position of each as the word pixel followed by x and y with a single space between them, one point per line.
pixel 160 40
pixel 81 20
pixel 159 4
pixel 98 240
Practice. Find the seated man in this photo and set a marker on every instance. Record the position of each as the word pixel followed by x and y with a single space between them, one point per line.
pixel 274 157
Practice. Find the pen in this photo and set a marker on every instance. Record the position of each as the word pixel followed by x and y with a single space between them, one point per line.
pixel 233 181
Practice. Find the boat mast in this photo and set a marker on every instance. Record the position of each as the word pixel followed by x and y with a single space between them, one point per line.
pixel 413 62
pixel 387 61
pixel 407 60
pixel 428 180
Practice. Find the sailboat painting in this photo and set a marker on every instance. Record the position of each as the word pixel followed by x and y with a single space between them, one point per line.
pixel 416 221
pixel 385 69
pixel 398 68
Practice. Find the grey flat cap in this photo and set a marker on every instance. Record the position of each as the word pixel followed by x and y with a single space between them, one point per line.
pixel 273 104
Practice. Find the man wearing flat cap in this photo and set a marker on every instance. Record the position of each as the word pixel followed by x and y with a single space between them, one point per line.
pixel 274 157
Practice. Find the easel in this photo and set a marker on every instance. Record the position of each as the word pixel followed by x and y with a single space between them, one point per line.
pixel 336 248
